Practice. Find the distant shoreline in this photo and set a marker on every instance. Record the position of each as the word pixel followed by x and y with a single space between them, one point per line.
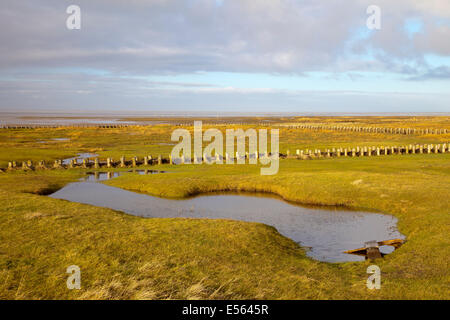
pixel 190 114
pixel 155 118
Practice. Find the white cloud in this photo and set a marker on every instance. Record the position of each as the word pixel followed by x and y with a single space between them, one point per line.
pixel 137 38
pixel 238 35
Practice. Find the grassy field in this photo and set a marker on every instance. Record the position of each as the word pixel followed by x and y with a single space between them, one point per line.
pixel 126 257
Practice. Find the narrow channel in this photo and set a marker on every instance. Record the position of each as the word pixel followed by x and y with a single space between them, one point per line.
pixel 325 233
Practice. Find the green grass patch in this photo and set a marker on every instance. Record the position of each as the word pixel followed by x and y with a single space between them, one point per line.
pixel 127 257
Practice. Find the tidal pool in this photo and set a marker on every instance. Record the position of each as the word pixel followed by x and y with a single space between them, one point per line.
pixel 102 176
pixel 79 158
pixel 53 140
pixel 326 233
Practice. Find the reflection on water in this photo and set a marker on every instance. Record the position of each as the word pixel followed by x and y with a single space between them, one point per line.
pixel 79 158
pixel 144 172
pixel 327 232
pixel 103 176
pixel 100 176
pixel 54 139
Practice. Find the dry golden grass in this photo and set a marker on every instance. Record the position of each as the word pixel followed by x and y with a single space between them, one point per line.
pixel 126 257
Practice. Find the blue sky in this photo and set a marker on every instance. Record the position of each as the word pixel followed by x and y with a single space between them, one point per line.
pixel 230 55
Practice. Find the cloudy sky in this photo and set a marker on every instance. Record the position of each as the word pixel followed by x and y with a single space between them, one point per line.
pixel 225 55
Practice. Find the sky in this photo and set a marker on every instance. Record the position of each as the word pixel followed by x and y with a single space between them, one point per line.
pixel 225 56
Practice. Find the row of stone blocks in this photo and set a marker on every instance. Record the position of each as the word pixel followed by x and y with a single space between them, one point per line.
pixel 133 162
pixel 113 126
pixel 405 131
pixel 87 163
pixel 371 151
pixel 300 154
